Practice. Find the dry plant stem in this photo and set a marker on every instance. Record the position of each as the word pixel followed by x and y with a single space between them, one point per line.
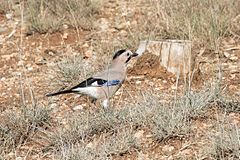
pixel 21 52
pixel 75 21
pixel 22 4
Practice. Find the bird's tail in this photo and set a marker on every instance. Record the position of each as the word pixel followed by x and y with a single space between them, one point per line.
pixel 60 92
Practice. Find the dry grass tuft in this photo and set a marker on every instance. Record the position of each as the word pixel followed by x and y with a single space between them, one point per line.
pixel 203 22
pixel 50 16
pixel 17 128
pixel 225 141
pixel 118 143
pixel 228 104
pixel 6 6
pixel 118 126
pixel 73 69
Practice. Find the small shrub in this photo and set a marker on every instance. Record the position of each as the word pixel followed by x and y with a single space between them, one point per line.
pixel 17 127
pixel 225 142
pixel 203 22
pixel 228 104
pixel 71 69
pixel 6 5
pixel 79 151
pixel 49 16
pixel 121 142
pixel 82 127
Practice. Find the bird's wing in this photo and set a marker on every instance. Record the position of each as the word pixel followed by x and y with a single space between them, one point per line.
pixel 96 82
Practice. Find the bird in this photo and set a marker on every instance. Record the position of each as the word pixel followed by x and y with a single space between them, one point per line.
pixel 103 85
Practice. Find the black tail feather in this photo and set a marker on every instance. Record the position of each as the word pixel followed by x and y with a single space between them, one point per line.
pixel 60 92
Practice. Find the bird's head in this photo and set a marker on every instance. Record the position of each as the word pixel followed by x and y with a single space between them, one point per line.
pixel 123 56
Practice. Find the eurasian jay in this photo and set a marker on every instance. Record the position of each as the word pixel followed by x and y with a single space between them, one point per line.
pixel 105 84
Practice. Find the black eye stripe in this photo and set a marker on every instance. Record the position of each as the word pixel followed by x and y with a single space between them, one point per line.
pixel 128 59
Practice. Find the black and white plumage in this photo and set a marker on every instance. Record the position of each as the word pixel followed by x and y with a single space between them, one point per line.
pixel 104 84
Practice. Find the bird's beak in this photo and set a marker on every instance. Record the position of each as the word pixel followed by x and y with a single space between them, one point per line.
pixel 134 55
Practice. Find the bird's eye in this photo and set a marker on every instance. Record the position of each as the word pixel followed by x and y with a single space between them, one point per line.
pixel 128 54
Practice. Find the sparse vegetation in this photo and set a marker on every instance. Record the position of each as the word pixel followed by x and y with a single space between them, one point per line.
pixel 225 140
pixel 73 69
pixel 201 123
pixel 50 16
pixel 119 143
pixel 163 121
pixel 203 22
pixel 18 127
pixel 6 5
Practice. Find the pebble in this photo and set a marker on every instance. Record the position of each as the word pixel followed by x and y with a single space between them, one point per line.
pixel 168 149
pixel 3 29
pixel 78 107
pixel 164 81
pixel 30 68
pixel 233 58
pixel 65 26
pixel 226 54
pixel 139 134
pixel 85 45
pixel 173 87
pixel 88 54
pixel 138 82
pixel 65 36
pixel 9 16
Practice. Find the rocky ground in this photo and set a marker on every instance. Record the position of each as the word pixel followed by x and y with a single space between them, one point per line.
pixel 28 71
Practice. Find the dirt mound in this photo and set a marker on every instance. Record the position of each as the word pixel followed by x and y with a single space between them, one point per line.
pixel 149 65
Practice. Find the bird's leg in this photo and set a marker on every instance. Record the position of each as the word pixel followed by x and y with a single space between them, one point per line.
pixel 93 100
pixel 105 104
pixel 93 103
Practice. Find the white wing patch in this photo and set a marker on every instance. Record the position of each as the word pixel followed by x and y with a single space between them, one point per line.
pixel 90 91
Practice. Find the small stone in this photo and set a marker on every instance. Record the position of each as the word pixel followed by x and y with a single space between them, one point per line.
pixel 233 58
pixel 20 63
pixel 174 87
pixel 90 145
pixel 3 79
pixel 88 54
pixel 149 136
pixel 164 81
pixel 78 107
pixel 11 154
pixel 168 149
pixel 3 29
pixel 120 26
pixel 53 105
pixel 85 45
pixel 30 68
pixel 151 83
pixel 65 26
pixel 232 76
pixel 123 33
pixel 138 82
pixel 9 16
pixel 226 54
pixel 65 36
pixel 233 68
pixel 139 134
